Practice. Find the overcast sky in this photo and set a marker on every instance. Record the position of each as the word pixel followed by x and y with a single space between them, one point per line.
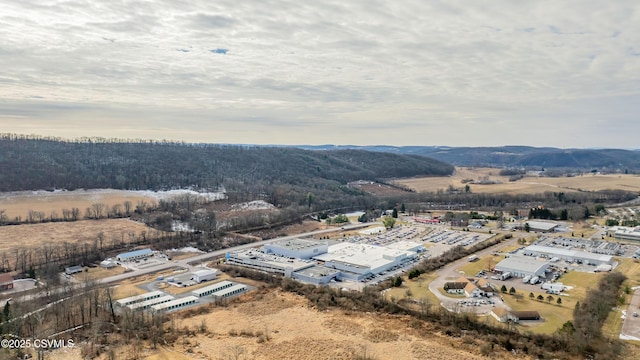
pixel 458 73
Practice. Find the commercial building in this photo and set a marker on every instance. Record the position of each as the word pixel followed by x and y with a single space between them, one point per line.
pixel 522 266
pixel 627 233
pixel 6 281
pixel 296 248
pixel 230 291
pixel 139 298
pixel 317 275
pixel 258 260
pixel 568 255
pixel 175 304
pixel 541 226
pixel 357 261
pixel 204 275
pixel 208 290
pixel 135 255
pixel 143 305
pixel 407 245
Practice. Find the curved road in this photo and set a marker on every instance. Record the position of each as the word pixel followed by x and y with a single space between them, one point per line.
pixel 449 273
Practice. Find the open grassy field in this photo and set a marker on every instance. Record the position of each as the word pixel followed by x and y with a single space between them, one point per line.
pixel 630 268
pixel 526 185
pixel 418 287
pixel 19 203
pixel 77 232
pixel 554 315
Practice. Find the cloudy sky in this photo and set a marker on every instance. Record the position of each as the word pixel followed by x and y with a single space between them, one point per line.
pixel 541 73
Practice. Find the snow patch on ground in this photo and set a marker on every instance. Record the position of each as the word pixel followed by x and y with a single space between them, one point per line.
pixel 158 195
pixel 253 205
pixel 188 249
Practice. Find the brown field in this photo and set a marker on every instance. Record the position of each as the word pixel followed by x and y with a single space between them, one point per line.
pixel 295 330
pixel 34 235
pixel 526 185
pixel 19 203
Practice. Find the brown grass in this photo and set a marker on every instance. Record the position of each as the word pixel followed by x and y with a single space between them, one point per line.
pixel 19 204
pixel 76 232
pixel 525 185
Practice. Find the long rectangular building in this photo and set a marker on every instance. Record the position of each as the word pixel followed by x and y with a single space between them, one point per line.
pixel 568 255
pixel 175 304
pixel 149 303
pixel 258 260
pixel 522 266
pixel 364 259
pixel 230 291
pixel 208 290
pixel 139 298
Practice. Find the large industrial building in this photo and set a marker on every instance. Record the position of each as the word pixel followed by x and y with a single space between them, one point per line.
pixel 316 275
pixel 568 255
pixel 357 261
pixel 318 263
pixel 259 260
pixel 297 248
pixel 522 266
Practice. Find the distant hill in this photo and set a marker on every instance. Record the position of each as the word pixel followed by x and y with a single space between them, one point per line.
pixel 515 156
pixel 42 163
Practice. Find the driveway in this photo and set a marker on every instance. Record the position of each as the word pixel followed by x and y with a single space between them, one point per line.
pixel 449 273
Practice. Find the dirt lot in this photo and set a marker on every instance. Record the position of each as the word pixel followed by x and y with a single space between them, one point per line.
pixel 278 325
pixel 525 185
pixel 72 232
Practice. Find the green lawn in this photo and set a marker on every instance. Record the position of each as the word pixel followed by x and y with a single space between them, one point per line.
pixel 554 315
pixel 472 268
pixel 613 325
pixel 419 288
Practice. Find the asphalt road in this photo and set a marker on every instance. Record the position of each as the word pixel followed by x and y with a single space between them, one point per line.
pixel 449 273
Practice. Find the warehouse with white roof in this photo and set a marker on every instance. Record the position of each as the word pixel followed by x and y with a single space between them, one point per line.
pixel 356 261
pixel 568 255
pixel 297 248
pixel 522 266
pixel 258 260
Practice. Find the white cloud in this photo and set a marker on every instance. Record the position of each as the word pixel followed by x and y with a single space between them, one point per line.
pixel 363 72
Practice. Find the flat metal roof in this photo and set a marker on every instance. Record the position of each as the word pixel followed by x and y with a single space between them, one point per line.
pixel 522 263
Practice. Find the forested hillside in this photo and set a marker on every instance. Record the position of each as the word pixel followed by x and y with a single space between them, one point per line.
pixel 607 160
pixel 28 163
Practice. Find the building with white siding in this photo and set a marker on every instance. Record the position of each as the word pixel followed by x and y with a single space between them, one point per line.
pixel 204 275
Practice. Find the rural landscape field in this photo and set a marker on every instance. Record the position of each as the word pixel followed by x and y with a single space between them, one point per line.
pixel 219 269
pixel 498 184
